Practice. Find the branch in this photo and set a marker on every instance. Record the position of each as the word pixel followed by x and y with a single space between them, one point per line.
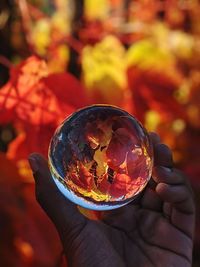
pixel 26 22
pixel 5 62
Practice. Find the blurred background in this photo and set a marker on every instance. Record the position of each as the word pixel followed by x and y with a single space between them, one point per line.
pixel 59 55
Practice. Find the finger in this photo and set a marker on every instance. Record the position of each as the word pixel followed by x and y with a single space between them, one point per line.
pixel 154 137
pixel 167 209
pixel 157 231
pixel 61 211
pixel 163 156
pixel 151 200
pixel 178 207
pixel 169 176
pixel 172 177
pixel 178 195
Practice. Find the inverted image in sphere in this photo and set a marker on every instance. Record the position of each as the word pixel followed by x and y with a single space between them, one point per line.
pixel 101 157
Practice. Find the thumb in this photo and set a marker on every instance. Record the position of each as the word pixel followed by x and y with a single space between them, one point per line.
pixel 60 210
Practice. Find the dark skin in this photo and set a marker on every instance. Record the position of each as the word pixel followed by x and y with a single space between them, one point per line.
pixel 155 230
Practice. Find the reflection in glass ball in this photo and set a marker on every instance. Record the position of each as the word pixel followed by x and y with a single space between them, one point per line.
pixel 100 157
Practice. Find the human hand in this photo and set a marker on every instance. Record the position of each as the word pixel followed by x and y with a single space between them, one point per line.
pixel 153 231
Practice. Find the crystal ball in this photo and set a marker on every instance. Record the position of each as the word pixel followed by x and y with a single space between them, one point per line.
pixel 100 157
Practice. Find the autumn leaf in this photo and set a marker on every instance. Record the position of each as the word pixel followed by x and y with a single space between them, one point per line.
pixel 104 71
pixel 121 143
pixel 26 98
pixel 150 89
pixel 29 140
pixel 67 89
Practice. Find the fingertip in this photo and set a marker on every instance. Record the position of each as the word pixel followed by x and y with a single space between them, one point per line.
pixel 33 164
pixel 35 159
pixel 162 174
pixel 164 192
pixel 35 155
pixel 40 169
pixel 161 188
pixel 163 155
pixel 161 170
pixel 38 157
pixel 155 138
pixel 173 193
pixel 163 149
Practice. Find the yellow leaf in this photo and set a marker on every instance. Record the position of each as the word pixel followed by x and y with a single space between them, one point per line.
pixel 97 9
pixel 104 71
pixel 41 35
pixel 146 55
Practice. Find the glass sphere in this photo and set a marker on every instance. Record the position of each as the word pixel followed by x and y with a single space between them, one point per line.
pixel 100 157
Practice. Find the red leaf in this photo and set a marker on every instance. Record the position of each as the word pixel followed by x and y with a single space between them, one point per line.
pixel 26 98
pixel 31 140
pixel 121 143
pixel 67 89
pixel 150 90
pixel 120 185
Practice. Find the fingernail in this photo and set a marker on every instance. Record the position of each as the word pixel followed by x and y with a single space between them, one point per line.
pixel 33 163
pixel 167 169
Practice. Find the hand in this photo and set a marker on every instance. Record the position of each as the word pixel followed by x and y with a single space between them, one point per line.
pixel 156 231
